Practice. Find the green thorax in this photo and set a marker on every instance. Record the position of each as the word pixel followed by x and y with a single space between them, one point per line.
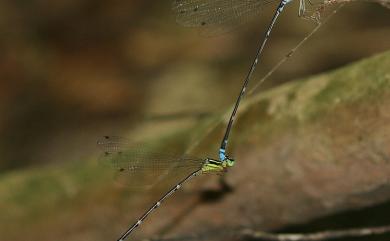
pixel 212 165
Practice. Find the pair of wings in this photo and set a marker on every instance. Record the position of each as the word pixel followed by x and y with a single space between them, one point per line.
pixel 216 16
pixel 138 168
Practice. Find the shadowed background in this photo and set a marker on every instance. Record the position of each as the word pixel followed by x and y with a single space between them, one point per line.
pixel 72 71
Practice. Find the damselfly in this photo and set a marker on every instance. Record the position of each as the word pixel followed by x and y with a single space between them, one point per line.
pixel 143 167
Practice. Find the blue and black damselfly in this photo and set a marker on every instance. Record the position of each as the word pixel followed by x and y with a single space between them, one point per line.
pixel 145 166
pixel 198 13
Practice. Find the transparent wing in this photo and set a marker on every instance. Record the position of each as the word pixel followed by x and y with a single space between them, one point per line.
pixel 140 168
pixel 134 161
pixel 112 144
pixel 219 15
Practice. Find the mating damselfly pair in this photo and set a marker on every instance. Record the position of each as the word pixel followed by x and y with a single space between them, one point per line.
pixel 203 14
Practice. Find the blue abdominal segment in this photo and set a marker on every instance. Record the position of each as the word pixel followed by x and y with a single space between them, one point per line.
pixel 222 155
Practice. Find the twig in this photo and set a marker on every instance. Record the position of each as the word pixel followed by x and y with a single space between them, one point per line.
pixel 264 236
pixel 324 235
pixel 293 50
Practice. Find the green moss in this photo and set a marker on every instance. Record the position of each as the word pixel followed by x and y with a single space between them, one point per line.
pixel 359 80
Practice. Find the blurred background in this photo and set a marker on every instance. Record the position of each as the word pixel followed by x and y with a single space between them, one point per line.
pixel 72 71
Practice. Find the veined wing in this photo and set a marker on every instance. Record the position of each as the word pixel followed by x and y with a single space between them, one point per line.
pixel 121 155
pixel 112 144
pixel 218 14
pixel 138 167
pixel 133 161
